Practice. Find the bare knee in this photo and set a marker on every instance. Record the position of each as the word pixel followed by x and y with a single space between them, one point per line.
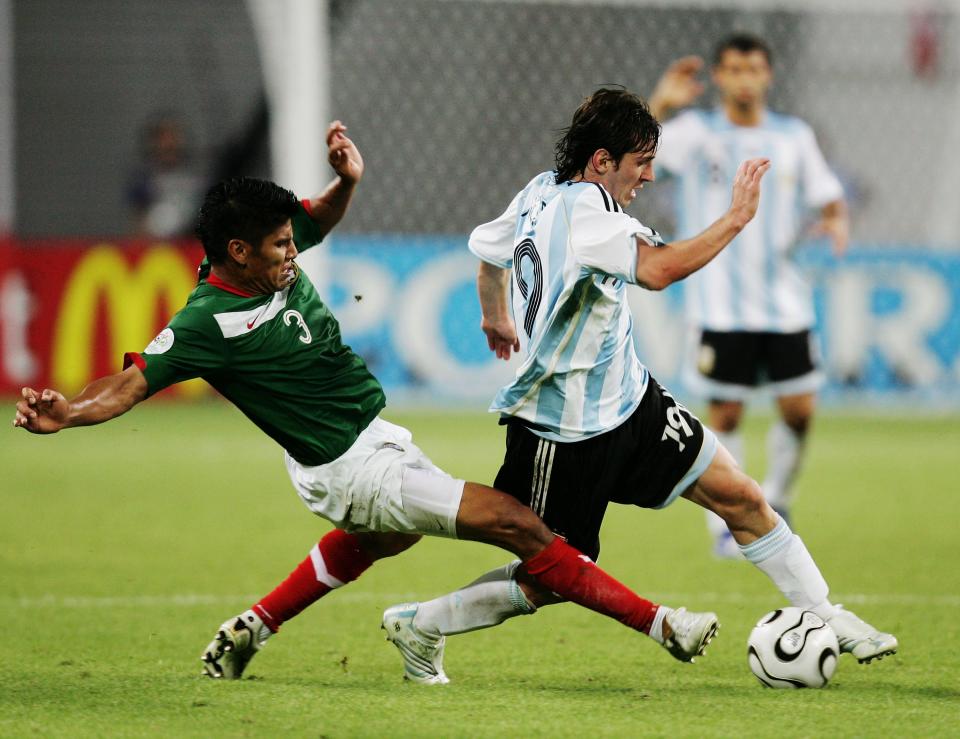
pixel 378 545
pixel 798 423
pixel 518 528
pixel 494 517
pixel 724 415
pixel 797 412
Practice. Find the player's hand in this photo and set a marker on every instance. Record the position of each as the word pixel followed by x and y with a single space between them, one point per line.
pixel 746 190
pixel 41 412
pixel 343 154
pixel 678 87
pixel 837 229
pixel 501 337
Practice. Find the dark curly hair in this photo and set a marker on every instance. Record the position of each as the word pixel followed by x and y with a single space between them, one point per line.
pixel 611 119
pixel 242 208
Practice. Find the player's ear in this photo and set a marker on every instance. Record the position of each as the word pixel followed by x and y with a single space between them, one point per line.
pixel 602 161
pixel 239 251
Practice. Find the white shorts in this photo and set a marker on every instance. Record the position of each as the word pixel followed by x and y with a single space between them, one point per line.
pixel 381 483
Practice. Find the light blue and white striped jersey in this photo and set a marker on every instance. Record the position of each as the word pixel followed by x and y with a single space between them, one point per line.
pixel 572 249
pixel 753 284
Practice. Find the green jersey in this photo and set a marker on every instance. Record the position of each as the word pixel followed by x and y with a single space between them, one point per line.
pixel 279 358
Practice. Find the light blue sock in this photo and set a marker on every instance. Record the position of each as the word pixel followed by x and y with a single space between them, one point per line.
pixel 784 558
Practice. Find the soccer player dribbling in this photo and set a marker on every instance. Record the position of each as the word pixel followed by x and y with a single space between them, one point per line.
pixel 586 423
pixel 255 329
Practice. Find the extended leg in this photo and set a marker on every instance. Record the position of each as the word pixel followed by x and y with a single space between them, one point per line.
pixel 337 559
pixel 552 573
pixel 767 541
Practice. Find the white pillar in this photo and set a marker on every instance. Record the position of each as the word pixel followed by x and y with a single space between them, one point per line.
pixel 7 112
pixel 294 41
pixel 293 36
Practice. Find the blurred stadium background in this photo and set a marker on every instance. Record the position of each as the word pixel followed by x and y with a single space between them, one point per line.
pixel 454 105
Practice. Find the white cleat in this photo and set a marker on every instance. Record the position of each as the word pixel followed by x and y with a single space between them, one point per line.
pixel 859 638
pixel 691 633
pixel 422 652
pixel 236 643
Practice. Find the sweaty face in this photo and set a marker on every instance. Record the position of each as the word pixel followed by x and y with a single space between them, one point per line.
pixel 627 177
pixel 270 268
pixel 743 78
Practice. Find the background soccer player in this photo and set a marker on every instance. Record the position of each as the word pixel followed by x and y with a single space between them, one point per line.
pixel 256 330
pixel 586 423
pixel 751 306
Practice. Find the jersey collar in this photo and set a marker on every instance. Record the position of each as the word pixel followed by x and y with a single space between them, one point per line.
pixel 215 281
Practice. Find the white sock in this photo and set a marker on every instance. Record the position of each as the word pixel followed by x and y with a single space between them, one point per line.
pixel 784 453
pixel 656 628
pixel 781 554
pixel 489 600
pixel 261 632
pixel 733 442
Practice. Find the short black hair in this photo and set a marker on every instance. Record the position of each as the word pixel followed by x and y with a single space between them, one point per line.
pixel 242 208
pixel 611 119
pixel 744 43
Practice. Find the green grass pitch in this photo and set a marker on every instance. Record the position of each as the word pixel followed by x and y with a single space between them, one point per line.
pixel 123 547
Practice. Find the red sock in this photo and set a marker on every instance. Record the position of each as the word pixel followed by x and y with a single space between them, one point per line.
pixel 334 561
pixel 572 575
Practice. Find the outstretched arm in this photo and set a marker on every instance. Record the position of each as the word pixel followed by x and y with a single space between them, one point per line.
pixel 329 207
pixel 47 411
pixel 658 267
pixel 493 286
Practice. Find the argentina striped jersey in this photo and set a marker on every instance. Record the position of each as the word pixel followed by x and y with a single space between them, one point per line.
pixel 572 250
pixel 753 284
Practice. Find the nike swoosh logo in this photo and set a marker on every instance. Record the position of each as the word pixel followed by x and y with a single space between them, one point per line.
pixel 250 325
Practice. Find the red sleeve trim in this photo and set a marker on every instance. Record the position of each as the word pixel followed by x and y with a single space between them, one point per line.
pixel 134 358
pixel 306 206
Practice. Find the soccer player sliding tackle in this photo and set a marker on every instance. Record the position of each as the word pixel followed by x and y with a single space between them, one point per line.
pixel 256 330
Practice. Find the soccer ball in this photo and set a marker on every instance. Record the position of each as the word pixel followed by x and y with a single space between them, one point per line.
pixel 793 648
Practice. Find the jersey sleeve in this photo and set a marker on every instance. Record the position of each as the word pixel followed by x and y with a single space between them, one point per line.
pixel 604 238
pixel 679 138
pixel 820 184
pixel 306 231
pixel 190 346
pixel 493 242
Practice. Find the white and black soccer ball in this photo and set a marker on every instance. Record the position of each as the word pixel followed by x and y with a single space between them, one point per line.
pixel 793 648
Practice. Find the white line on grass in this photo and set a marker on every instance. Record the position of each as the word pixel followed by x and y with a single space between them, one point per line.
pixel 946 600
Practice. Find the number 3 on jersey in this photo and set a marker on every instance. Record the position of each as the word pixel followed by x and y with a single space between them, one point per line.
pixel 528 271
pixel 294 315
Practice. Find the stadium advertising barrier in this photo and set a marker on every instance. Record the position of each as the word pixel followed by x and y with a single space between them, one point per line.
pixel 890 316
pixel 70 309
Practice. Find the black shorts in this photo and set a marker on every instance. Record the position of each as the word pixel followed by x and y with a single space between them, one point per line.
pixel 752 358
pixel 641 462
